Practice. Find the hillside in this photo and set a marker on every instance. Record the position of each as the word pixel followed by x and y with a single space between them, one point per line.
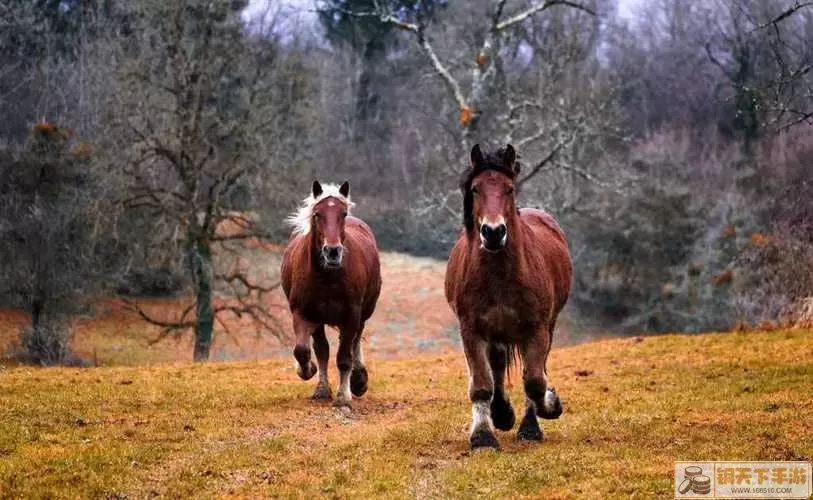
pixel 412 317
pixel 247 429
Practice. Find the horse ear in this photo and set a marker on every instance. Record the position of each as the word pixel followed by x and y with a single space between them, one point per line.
pixel 509 158
pixel 344 189
pixel 317 189
pixel 476 156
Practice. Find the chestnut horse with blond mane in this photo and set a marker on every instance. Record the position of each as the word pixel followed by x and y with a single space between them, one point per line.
pixel 331 276
pixel 508 277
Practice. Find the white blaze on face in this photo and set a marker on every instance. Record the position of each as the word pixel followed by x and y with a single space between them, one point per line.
pixel 326 242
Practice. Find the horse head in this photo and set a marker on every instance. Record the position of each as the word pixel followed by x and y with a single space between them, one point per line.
pixel 330 209
pixel 489 201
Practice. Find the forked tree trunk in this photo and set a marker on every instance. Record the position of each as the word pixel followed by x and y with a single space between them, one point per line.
pixel 201 262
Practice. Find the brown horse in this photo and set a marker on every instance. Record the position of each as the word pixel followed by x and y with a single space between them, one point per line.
pixel 508 277
pixel 331 276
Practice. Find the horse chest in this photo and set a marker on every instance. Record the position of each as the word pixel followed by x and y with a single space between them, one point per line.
pixel 506 314
pixel 329 305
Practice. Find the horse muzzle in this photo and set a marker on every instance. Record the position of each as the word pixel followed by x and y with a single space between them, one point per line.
pixel 493 237
pixel 332 256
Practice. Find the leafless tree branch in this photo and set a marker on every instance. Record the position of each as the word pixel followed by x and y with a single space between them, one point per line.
pixel 783 15
pixel 522 16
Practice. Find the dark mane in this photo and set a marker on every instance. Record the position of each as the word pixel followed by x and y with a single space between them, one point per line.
pixel 495 160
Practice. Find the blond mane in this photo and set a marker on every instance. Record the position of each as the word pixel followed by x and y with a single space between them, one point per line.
pixel 301 219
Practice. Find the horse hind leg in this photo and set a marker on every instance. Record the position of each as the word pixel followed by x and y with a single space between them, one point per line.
pixel 344 362
pixel 529 429
pixel 502 413
pixel 321 348
pixel 551 407
pixel 358 376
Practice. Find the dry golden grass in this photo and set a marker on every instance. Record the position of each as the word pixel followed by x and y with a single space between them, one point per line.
pixel 246 429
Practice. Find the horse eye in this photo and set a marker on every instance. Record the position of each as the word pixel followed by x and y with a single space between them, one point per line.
pixel 475 190
pixel 344 215
pixel 509 190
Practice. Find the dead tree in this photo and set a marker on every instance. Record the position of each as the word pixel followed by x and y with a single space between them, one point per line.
pixel 195 119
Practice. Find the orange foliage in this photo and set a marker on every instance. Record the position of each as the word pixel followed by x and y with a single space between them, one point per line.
pixel 44 127
pixel 465 115
pixel 83 150
pixel 767 325
pixel 759 239
pixel 724 277
pixel 481 59
pixel 52 131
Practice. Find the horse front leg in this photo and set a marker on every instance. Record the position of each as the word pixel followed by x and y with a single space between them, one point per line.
pixel 303 329
pixel 358 377
pixel 344 362
pixel 481 390
pixel 321 348
pixel 540 399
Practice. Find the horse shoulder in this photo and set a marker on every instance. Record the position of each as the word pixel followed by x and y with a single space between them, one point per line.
pixel 361 239
pixel 365 265
pixel 553 258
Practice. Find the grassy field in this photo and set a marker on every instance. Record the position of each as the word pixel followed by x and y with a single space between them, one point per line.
pixel 247 429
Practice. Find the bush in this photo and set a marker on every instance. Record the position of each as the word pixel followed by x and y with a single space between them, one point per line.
pixel 45 344
pixel 778 270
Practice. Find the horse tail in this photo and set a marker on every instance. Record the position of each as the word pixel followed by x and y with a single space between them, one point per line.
pixel 512 360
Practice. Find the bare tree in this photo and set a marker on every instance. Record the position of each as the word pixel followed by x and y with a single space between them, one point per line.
pixel 200 115
pixel 522 72
pixel 500 37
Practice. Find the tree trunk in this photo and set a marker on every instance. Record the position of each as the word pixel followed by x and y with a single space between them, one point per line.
pixel 201 262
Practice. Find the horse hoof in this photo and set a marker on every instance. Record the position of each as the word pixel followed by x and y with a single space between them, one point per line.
pixel 358 381
pixel 322 393
pixel 529 433
pixel 529 429
pixel 502 414
pixel 342 403
pixel 484 440
pixel 307 374
pixel 551 407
